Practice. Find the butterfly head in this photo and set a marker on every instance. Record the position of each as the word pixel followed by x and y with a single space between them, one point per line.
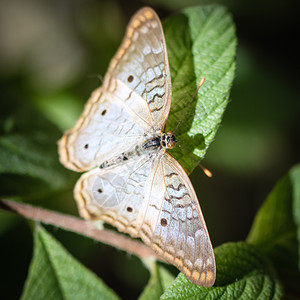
pixel 168 140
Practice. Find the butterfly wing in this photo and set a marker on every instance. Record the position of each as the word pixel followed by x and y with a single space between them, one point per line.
pixel 152 199
pixel 107 127
pixel 134 100
pixel 141 64
pixel 173 224
pixel 114 195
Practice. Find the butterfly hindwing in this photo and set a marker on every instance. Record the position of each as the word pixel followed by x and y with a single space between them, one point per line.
pixel 173 224
pixel 155 200
pixel 114 195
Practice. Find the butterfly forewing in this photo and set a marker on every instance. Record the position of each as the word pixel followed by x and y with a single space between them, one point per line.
pixel 105 123
pixel 142 64
pixel 134 100
pixel 140 189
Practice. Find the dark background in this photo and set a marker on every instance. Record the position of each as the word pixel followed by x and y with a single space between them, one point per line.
pixel 52 54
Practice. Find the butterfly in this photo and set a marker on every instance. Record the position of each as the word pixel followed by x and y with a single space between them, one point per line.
pixel 131 181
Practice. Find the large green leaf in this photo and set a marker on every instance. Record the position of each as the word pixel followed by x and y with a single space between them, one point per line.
pixel 276 228
pixel 55 274
pixel 242 273
pixel 201 43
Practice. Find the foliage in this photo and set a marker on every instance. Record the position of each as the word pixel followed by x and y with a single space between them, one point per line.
pixel 201 43
pixel 202 46
pixel 55 274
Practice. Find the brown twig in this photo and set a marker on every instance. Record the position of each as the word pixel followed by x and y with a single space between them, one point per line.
pixel 79 226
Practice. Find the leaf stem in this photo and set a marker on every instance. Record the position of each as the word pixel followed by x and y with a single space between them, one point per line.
pixel 79 226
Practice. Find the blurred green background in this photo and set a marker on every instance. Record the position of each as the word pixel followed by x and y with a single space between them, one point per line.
pixel 53 54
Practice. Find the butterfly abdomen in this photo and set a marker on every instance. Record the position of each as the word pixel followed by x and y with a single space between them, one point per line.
pixel 117 160
pixel 151 145
pixel 147 147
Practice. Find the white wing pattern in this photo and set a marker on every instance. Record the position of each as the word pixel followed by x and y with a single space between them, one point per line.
pixel 134 184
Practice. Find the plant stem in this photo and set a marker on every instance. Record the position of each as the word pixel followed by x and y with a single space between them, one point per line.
pixel 83 227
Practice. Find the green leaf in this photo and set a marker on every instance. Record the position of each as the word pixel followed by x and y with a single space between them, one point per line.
pixel 55 274
pixel 160 279
pixel 276 228
pixel 29 163
pixel 201 43
pixel 242 273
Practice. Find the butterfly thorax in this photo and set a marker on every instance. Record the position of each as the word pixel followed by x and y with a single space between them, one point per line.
pixel 149 147
pixel 165 140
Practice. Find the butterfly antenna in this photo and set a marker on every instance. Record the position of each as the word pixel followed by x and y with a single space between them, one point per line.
pixel 186 110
